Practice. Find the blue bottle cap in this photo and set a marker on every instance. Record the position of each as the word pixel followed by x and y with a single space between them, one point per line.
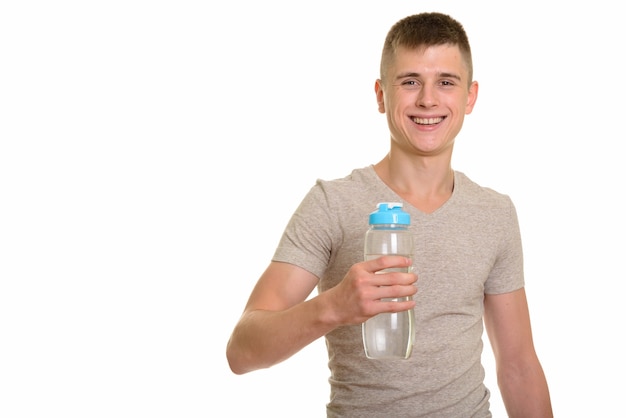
pixel 390 213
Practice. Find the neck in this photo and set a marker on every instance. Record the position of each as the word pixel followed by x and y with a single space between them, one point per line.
pixel 426 183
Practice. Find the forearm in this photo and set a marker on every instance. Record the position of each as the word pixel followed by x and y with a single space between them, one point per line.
pixel 525 392
pixel 264 338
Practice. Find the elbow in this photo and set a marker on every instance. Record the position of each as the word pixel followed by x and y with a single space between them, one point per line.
pixel 240 361
pixel 235 369
pixel 234 362
pixel 233 365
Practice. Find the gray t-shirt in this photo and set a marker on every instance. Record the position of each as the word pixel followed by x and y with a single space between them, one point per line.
pixel 468 247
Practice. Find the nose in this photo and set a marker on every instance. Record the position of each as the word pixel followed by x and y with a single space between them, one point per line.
pixel 427 96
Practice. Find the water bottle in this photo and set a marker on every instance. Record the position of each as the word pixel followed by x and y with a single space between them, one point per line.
pixel 389 335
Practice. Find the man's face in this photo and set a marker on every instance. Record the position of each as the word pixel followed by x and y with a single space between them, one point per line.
pixel 426 95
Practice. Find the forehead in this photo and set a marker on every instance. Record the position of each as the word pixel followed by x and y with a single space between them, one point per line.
pixel 429 60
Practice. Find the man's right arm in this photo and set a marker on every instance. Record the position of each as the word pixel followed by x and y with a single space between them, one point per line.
pixel 278 320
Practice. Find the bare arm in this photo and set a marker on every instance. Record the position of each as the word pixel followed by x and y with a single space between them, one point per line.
pixel 278 321
pixel 521 378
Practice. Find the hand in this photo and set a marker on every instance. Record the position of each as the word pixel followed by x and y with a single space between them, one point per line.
pixel 358 296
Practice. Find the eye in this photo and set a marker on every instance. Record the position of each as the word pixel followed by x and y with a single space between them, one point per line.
pixel 447 83
pixel 410 84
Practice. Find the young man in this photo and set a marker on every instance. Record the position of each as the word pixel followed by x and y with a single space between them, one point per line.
pixel 468 258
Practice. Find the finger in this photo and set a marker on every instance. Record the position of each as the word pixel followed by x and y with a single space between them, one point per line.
pixel 389 261
pixel 395 291
pixel 396 306
pixel 390 278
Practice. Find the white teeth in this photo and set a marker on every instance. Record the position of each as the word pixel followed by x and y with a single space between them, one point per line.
pixel 427 121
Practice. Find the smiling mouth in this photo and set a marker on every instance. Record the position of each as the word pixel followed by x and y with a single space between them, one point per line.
pixel 428 121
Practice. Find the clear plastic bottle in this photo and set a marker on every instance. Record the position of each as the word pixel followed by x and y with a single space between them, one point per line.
pixel 389 335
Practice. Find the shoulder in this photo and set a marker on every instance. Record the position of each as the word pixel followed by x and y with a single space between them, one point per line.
pixel 474 194
pixel 347 190
pixel 353 196
pixel 356 178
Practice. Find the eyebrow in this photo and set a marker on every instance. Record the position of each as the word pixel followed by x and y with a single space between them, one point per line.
pixel 417 75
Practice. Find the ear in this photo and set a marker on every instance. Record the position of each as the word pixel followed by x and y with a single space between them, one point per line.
pixel 380 96
pixel 471 97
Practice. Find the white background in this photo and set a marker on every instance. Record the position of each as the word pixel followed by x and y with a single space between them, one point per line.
pixel 152 152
